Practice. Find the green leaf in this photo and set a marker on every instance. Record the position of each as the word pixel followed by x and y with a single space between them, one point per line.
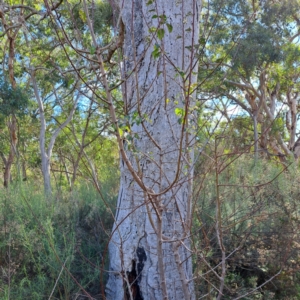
pixel 179 111
pixel 93 50
pixel 181 73
pixel 163 19
pixel 219 60
pixel 160 33
pixel 156 51
pixel 149 2
pixel 70 81
pixel 170 27
pixel 202 41
pixel 82 15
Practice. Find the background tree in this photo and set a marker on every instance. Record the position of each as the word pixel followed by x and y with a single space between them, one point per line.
pixel 245 55
pixel 11 31
pixel 13 102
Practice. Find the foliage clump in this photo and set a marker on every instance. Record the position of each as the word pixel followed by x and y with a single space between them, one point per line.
pixel 13 100
pixel 260 224
pixel 44 245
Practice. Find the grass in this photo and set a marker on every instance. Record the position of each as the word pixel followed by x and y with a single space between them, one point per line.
pixel 54 246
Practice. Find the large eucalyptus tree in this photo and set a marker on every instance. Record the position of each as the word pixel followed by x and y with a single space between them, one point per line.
pixel 150 255
pixel 253 51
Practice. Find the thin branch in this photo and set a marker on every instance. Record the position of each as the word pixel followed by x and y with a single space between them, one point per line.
pixel 62 268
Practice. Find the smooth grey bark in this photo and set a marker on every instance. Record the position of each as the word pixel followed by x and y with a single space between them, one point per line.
pixel 291 117
pixel 46 152
pixel 150 256
pixel 256 138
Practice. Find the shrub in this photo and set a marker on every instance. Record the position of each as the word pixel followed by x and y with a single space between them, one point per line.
pixel 260 223
pixel 37 237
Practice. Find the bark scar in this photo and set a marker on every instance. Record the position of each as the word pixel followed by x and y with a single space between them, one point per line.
pixel 134 276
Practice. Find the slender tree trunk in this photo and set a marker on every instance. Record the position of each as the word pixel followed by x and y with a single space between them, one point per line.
pixel 256 138
pixel 24 173
pixel 150 256
pixel 46 173
pixel 12 152
pixel 292 117
pixel 12 122
pixel 46 152
pixel 42 138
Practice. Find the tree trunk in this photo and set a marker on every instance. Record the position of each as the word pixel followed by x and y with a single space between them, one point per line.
pixel 150 256
pixel 12 122
pixel 256 138
pixel 42 138
pixel 292 115
pixel 46 172
pixel 12 152
pixel 46 152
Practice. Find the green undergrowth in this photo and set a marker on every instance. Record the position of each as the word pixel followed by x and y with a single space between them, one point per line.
pixel 55 246
pixel 259 226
